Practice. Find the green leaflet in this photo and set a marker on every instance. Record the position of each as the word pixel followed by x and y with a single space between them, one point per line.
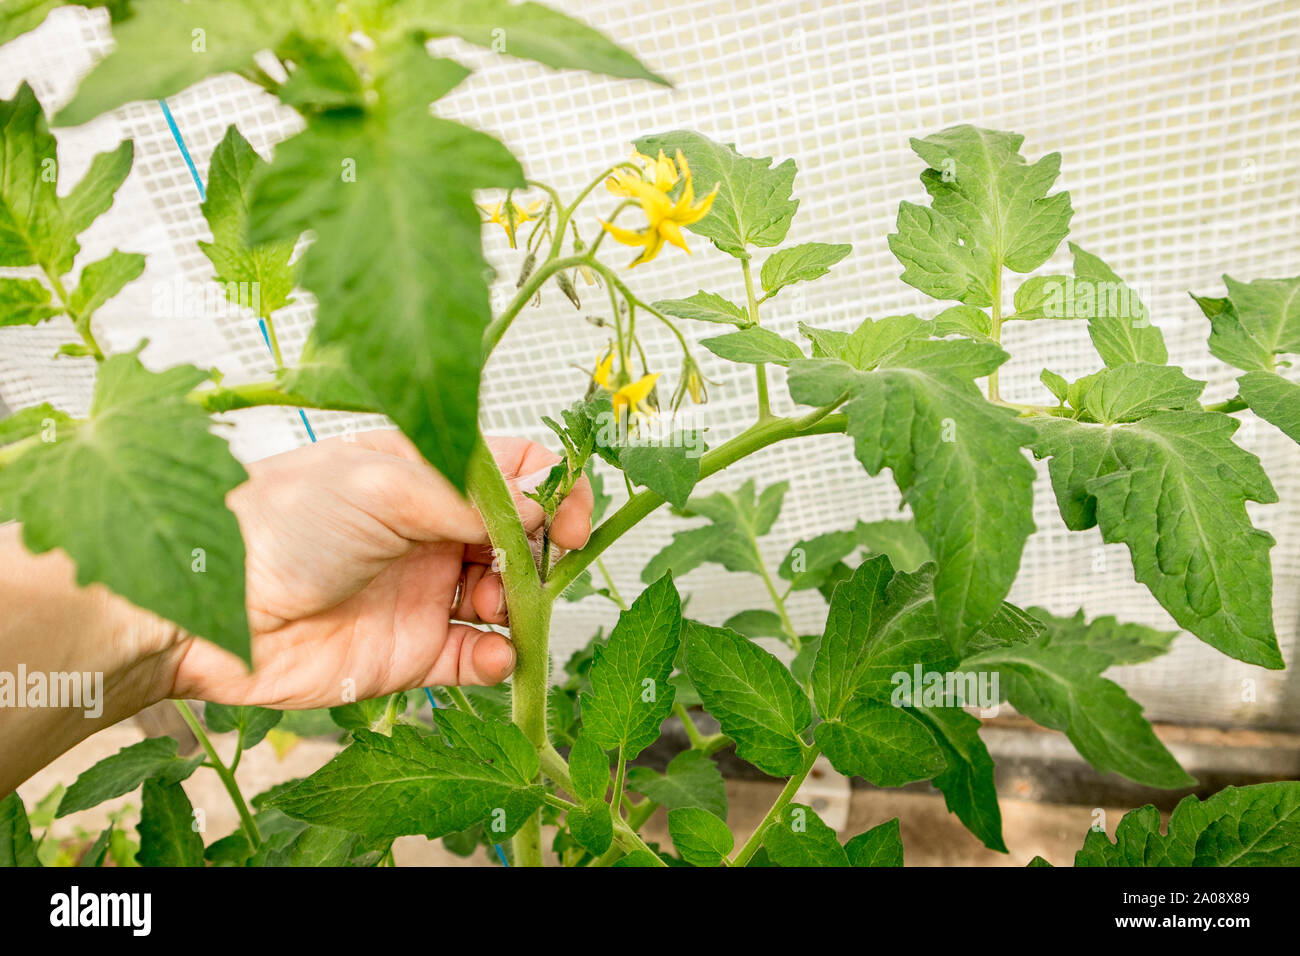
pixel 25 302
pixel 1061 687
pixel 704 307
pixel 589 770
pixel 1257 825
pixel 591 826
pixel 102 280
pixel 147 473
pixel 255 277
pixel 955 457
pixel 899 540
pixel 1274 399
pixel 752 695
pixel 700 837
pixel 151 759
pixel 737 520
pixel 16 845
pixel 886 745
pixel 882 845
pixel 690 780
pixel 753 205
pixel 964 320
pixel 310 846
pixel 871 343
pixel 37 227
pixel 323 377
pixel 753 345
pixel 251 723
pixel 967 780
pixel 20 16
pixel 527 30
pixel 1173 487
pixel 989 209
pixel 167 833
pixel 1267 311
pixel 1228 341
pixel 801 263
pixel 385 787
pixel 397 237
pixel 798 837
pixel 670 470
pixel 810 560
pixel 1118 322
pixel 1126 393
pixel 1119 642
pixel 43 419
pixel 631 695
pixel 760 623
pixel 816 562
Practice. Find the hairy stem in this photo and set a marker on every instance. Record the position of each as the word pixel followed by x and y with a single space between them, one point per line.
pixel 225 773
pixel 499 326
pixel 760 370
pixel 255 394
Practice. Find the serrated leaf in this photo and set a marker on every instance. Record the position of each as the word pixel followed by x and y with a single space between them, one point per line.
pixel 147 472
pixel 631 695
pixel 989 209
pixel 324 377
pixel 1229 341
pixel 810 560
pixel 411 783
pixel 671 470
pixel 397 266
pixel 751 694
pixel 801 263
pixel 884 744
pixel 1274 399
pixel 1173 487
pixel 964 320
pixel 798 837
pixel 704 307
pixel 16 845
pixel 25 302
pixel 753 205
pixel 737 519
pixel 758 623
pixel 967 780
pixel 591 826
pixel 528 30
pixel 898 540
pixel 589 770
pixel 1061 688
pixel 871 343
pixel 310 847
pixel 1120 642
pixel 880 846
pixel 691 779
pixel 955 457
pixel 1126 393
pixel 754 346
pixel 152 759
pixel 700 837
pixel 249 722
pixel 1268 310
pixel 166 828
pixel 102 280
pixel 1055 384
pixel 1119 324
pixel 253 277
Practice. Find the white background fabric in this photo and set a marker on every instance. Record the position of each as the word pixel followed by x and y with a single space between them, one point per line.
pixel 1179 123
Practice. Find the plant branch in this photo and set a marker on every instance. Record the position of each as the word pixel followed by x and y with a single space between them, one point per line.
pixel 787 794
pixel 224 772
pixel 760 370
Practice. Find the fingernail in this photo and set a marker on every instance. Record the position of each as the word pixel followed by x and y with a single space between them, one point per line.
pixel 531 482
pixel 501 601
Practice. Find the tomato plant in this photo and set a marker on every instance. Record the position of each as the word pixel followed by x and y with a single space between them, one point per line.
pixel 917 628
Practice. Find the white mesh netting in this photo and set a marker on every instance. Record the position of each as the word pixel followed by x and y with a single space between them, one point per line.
pixel 1179 124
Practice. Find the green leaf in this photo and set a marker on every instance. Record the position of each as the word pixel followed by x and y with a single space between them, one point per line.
pixel 324 377
pixel 1257 825
pixel 36 226
pixel 811 560
pixel 752 695
pixel 886 745
pixel 1118 322
pixel 589 770
pixel 899 540
pixel 397 266
pixel 310 846
pixel 528 30
pixel 251 723
pixel 737 519
pixel 1055 384
pixel 989 209
pixel 254 277
pixel 670 469
pixel 1061 688
pixel 639 858
pixel 22 16
pixel 25 302
pixel 955 457
pixel 591 826
pixel 94 857
pixel 151 759
pixel 1229 341
pixel 1274 399
pixel 102 280
pixel 871 343
pixel 165 47
pixel 691 779
pixel 1173 487
pixel 704 307
pixel 166 828
pixel 147 472
pixel 752 206
pixel 374 713
pixel 16 845
pixel 754 624
pixel 1268 311
pixel 411 783
pixel 964 320
pixel 630 695
pixel 1120 642
pixel 1126 393
pixel 967 780
pixel 801 263
pixel 754 346
pixel 1042 297
pixel 880 846
pixel 798 837
pixel 700 837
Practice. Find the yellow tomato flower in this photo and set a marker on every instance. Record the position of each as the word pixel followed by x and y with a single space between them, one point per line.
pixel 510 216
pixel 664 215
pixel 660 173
pixel 632 395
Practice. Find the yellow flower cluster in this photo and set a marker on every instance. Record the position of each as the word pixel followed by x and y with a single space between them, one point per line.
pixel 509 215
pixel 653 187
pixel 630 395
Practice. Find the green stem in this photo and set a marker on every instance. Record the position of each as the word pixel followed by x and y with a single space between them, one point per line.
pixel 274 341
pixel 255 394
pixel 760 370
pixel 610 586
pixel 995 330
pixel 530 617
pixel 787 794
pixel 460 700
pixel 777 600
pixel 224 772
pixel 498 326
pixel 754 438
pixel 80 322
pixel 1231 405
pixel 620 776
pixel 692 731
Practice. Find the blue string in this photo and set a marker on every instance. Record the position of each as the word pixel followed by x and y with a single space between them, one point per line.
pixel 266 337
